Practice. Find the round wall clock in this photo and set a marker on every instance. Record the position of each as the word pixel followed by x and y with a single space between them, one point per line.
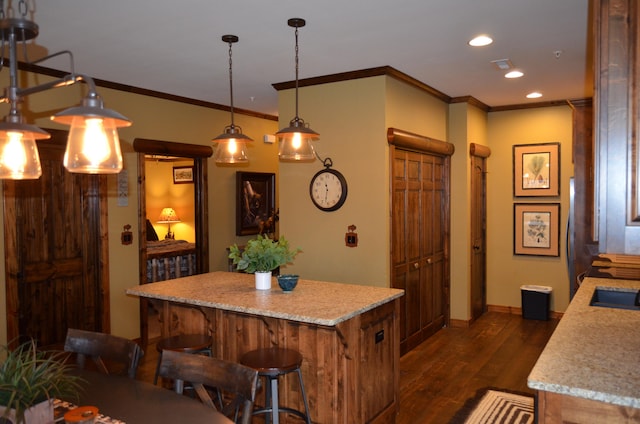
pixel 328 189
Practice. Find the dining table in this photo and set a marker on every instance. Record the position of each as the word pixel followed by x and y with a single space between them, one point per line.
pixel 120 399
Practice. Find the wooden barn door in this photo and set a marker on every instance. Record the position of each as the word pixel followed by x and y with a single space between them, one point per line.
pixel 55 251
pixel 420 233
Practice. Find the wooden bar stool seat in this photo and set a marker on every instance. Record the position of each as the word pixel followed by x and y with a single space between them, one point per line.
pixel 186 343
pixel 272 363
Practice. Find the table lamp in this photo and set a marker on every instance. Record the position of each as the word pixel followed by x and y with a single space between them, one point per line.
pixel 168 216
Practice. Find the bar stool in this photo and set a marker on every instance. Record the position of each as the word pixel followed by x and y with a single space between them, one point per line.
pixel 272 363
pixel 187 343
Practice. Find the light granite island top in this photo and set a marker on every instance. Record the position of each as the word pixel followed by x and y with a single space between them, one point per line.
pixel 594 353
pixel 348 335
pixel 313 302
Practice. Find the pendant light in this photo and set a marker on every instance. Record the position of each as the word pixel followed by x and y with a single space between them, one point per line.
pixel 232 143
pixel 90 123
pixel 295 140
pixel 93 146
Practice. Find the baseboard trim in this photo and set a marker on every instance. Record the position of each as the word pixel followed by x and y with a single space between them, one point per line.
pixel 518 311
pixel 459 323
pixel 466 323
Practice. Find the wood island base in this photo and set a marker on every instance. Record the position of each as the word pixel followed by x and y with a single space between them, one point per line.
pixel 350 370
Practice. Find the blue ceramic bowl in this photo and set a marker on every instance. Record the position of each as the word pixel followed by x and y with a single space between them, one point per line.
pixel 287 282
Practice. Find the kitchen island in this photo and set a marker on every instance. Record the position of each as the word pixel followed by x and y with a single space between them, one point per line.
pixel 590 369
pixel 348 335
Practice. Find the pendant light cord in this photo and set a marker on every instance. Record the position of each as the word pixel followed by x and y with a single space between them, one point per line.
pixel 296 50
pixel 231 82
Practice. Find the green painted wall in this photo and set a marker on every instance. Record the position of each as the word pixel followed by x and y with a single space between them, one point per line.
pixel 352 118
pixel 157 119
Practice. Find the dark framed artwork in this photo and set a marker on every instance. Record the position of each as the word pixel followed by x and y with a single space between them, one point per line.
pixel 255 203
pixel 536 229
pixel 536 170
pixel 183 174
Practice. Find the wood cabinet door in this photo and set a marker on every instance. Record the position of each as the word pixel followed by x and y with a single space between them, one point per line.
pixel 478 292
pixel 55 251
pixel 419 242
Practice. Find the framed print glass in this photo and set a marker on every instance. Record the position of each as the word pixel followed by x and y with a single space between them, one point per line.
pixel 536 229
pixel 255 203
pixel 183 174
pixel 536 170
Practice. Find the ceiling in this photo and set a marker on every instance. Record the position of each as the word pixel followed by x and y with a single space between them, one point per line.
pixel 175 47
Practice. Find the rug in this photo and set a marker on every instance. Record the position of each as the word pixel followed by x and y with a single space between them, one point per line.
pixel 493 406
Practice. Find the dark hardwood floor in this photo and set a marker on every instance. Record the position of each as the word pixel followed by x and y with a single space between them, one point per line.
pixel 437 377
pixel 498 350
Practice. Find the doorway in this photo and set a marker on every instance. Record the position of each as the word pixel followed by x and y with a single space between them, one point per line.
pixel 198 177
pixel 56 250
pixel 478 210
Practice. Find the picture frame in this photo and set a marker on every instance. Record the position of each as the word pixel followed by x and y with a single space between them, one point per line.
pixel 536 229
pixel 536 170
pixel 255 203
pixel 183 174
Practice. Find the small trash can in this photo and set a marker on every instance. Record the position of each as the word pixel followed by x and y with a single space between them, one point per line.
pixel 535 301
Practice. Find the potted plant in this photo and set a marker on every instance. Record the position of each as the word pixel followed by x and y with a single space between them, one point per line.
pixel 261 256
pixel 30 380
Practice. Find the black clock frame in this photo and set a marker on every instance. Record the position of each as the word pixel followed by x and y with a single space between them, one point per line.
pixel 343 196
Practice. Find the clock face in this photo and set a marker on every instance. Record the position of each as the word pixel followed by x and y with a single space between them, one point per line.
pixel 328 190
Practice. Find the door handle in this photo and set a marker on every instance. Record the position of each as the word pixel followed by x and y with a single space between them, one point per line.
pixel 416 265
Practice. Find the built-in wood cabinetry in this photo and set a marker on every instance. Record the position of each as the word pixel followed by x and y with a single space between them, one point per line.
pixel 555 408
pixel 617 44
pixel 420 233
pixel 584 246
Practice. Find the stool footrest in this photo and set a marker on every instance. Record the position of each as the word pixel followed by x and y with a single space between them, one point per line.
pixel 280 409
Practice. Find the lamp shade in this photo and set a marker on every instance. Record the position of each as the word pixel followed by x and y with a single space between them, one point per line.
pixel 168 216
pixel 295 142
pixel 19 159
pixel 93 146
pixel 231 146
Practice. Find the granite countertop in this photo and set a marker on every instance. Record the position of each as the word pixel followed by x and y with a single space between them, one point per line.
pixel 594 353
pixel 314 302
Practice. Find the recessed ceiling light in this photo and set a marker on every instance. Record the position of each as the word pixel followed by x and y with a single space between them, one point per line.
pixel 534 95
pixel 480 40
pixel 514 74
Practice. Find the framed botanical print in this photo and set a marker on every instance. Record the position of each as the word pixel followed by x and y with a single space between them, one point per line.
pixel 536 170
pixel 536 229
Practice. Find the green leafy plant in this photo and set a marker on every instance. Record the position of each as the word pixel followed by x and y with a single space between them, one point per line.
pixel 29 376
pixel 262 254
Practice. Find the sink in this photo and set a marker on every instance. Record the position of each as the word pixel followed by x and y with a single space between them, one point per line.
pixel 616 298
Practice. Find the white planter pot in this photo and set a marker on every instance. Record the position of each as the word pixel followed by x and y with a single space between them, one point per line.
pixel 263 280
pixel 41 413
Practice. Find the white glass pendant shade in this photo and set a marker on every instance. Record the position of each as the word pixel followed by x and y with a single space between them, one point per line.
pixel 93 146
pixel 19 159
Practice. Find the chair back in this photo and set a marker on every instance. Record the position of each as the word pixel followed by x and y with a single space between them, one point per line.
pixel 236 383
pixel 101 347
